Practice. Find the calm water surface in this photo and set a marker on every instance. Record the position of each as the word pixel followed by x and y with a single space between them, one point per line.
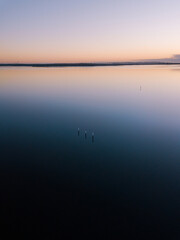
pixel 124 182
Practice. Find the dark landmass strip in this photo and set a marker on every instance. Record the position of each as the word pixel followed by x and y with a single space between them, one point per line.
pixel 84 64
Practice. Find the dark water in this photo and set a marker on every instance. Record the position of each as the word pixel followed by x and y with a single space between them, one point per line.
pixel 123 183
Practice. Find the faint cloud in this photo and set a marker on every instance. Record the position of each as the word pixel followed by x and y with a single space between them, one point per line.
pixel 174 59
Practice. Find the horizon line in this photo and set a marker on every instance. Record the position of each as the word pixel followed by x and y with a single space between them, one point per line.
pixel 88 64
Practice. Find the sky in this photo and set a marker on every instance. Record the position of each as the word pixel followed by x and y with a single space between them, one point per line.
pixel 88 30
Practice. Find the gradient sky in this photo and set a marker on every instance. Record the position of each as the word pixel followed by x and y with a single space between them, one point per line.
pixel 88 30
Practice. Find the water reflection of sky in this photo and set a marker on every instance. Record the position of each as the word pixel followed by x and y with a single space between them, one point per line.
pixel 147 95
pixel 130 173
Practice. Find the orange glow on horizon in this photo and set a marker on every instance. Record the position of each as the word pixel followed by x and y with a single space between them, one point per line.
pixel 44 57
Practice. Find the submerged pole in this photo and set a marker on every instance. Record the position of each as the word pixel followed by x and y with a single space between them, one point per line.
pixel 92 137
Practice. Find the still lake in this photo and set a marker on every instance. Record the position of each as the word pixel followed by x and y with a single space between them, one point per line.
pixel 123 181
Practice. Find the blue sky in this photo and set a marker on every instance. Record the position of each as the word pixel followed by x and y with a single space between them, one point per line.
pixel 82 30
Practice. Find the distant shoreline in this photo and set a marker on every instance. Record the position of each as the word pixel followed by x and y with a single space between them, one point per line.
pixel 85 64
